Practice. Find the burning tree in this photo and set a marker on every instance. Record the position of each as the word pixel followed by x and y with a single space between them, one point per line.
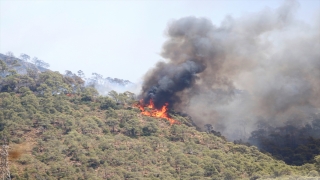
pixel 150 110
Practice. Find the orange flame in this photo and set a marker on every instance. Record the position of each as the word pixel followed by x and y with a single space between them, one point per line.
pixel 153 112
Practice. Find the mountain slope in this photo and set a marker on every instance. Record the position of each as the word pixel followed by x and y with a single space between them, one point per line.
pixel 78 140
pixel 19 65
pixel 59 129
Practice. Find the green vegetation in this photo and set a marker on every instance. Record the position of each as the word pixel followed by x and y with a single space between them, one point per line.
pixel 68 131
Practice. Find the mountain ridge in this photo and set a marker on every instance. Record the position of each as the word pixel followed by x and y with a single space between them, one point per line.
pixel 96 80
pixel 62 129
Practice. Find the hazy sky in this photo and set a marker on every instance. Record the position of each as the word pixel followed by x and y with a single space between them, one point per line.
pixel 120 39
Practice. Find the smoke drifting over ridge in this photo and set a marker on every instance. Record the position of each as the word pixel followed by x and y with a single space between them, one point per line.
pixel 261 67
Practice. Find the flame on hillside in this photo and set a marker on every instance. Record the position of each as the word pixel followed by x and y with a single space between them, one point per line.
pixel 152 111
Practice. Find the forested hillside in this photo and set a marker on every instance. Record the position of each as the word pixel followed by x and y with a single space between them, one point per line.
pixel 59 129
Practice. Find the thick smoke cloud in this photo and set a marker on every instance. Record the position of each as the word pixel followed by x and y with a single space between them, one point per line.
pixel 262 67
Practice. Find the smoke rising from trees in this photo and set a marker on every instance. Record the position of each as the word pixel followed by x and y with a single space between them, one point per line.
pixel 262 67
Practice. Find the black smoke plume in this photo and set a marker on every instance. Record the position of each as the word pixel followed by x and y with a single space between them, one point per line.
pixel 187 51
pixel 171 79
pixel 263 66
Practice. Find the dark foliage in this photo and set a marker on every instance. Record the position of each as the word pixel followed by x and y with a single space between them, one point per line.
pixel 295 146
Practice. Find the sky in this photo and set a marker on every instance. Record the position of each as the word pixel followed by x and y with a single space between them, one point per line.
pixel 118 39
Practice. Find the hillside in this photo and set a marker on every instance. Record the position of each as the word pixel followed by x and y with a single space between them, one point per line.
pixel 60 129
pixel 19 65
pixel 22 65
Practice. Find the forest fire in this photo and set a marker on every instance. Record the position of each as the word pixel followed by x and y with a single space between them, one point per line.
pixel 152 111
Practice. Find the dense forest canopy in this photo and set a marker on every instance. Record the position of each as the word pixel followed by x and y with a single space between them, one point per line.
pixel 58 128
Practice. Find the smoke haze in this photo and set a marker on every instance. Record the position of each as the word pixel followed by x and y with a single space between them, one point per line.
pixel 262 67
